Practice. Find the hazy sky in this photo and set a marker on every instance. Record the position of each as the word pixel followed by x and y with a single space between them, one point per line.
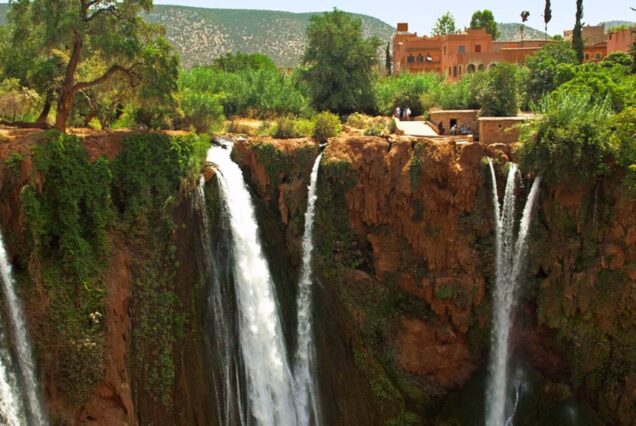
pixel 421 14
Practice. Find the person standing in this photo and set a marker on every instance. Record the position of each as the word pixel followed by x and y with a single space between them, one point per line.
pixel 408 114
pixel 397 113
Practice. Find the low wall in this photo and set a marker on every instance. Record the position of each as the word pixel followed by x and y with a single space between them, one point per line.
pixel 464 118
pixel 499 129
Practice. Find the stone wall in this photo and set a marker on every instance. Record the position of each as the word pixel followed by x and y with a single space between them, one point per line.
pixel 499 129
pixel 467 118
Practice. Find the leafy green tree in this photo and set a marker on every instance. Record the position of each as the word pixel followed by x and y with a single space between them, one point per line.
pixel 577 33
pixel 622 128
pixel 75 31
pixel 485 19
pixel 406 90
pixel 632 52
pixel 546 69
pixel 617 58
pixel 339 63
pixel 445 25
pixel 547 14
pixel 500 96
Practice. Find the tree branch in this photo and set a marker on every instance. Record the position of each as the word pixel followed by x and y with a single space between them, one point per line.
pixel 110 10
pixel 106 76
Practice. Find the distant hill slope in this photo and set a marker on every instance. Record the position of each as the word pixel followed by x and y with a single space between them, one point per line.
pixel 612 24
pixel 200 35
pixel 512 32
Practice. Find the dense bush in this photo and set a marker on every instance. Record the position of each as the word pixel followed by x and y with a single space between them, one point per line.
pixel 500 97
pixel 326 125
pixel 546 68
pixel 258 92
pixel 406 90
pixel 622 128
pixel 291 127
pixel 464 94
pixel 569 142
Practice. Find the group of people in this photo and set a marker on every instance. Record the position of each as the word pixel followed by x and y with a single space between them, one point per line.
pixel 455 129
pixel 402 113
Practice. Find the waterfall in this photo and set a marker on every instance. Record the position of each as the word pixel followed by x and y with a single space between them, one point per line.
pixel 305 393
pixel 221 320
pixel 510 260
pixel 11 408
pixel 264 359
pixel 21 338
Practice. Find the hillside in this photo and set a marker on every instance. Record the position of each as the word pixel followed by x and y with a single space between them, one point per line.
pixel 511 32
pixel 200 35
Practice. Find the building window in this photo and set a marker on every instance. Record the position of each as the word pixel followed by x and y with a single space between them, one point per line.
pixel 587 56
pixel 444 50
pixel 455 71
pixel 481 67
pixel 461 50
pixel 598 56
pixel 410 59
pixel 460 70
pixel 449 71
pixel 478 48
pixel 420 58
pixel 429 58
pixel 470 68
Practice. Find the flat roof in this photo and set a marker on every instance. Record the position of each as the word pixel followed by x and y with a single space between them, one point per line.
pixel 452 111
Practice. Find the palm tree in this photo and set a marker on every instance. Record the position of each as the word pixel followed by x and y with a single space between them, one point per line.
pixel 524 18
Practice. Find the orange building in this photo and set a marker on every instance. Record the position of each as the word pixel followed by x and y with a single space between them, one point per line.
pixel 621 40
pixel 455 54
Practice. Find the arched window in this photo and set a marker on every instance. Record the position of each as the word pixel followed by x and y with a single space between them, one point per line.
pixel 410 59
pixel 455 71
pixel 491 66
pixel 470 68
pixel 481 67
pixel 420 58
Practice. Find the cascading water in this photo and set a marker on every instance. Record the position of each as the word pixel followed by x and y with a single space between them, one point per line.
pixel 221 316
pixel 21 338
pixel 305 393
pixel 267 373
pixel 11 408
pixel 510 260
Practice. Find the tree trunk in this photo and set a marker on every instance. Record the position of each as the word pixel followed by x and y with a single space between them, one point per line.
pixel 65 103
pixel 44 115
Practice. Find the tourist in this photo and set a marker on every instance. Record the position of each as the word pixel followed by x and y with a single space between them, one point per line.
pixel 397 113
pixel 454 130
pixel 408 114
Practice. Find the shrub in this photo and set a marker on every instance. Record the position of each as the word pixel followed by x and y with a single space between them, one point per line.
pixel 623 138
pixel 202 110
pixel 377 129
pixel 326 125
pixel 406 90
pixel 358 121
pixel 290 127
pixel 569 141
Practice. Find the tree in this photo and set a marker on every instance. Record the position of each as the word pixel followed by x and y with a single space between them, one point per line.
pixel 485 19
pixel 235 62
pixel 445 25
pixel 546 67
pixel 577 33
pixel 547 15
pixel 339 63
pixel 500 96
pixel 388 60
pixel 524 18
pixel 76 31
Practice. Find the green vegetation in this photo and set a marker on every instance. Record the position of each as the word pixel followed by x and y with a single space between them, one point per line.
pixel 326 125
pixel 500 95
pixel 444 25
pixel 547 68
pixel 577 34
pixel 67 219
pixel 485 19
pixel 338 63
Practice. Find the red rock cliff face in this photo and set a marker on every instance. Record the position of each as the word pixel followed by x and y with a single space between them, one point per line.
pixel 405 246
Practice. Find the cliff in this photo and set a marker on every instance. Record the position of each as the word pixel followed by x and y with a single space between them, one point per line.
pixel 404 261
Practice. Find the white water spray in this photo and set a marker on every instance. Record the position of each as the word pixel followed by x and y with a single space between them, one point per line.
pixel 21 337
pixel 11 408
pixel 269 379
pixel 510 260
pixel 305 392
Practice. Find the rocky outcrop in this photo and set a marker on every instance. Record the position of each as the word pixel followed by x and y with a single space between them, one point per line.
pixel 405 247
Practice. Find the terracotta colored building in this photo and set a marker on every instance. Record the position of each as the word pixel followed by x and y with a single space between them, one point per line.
pixel 474 50
pixel 456 54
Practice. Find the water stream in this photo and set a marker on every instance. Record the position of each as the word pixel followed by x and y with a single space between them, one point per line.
pixel 305 392
pixel 510 261
pixel 268 378
pixel 22 344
